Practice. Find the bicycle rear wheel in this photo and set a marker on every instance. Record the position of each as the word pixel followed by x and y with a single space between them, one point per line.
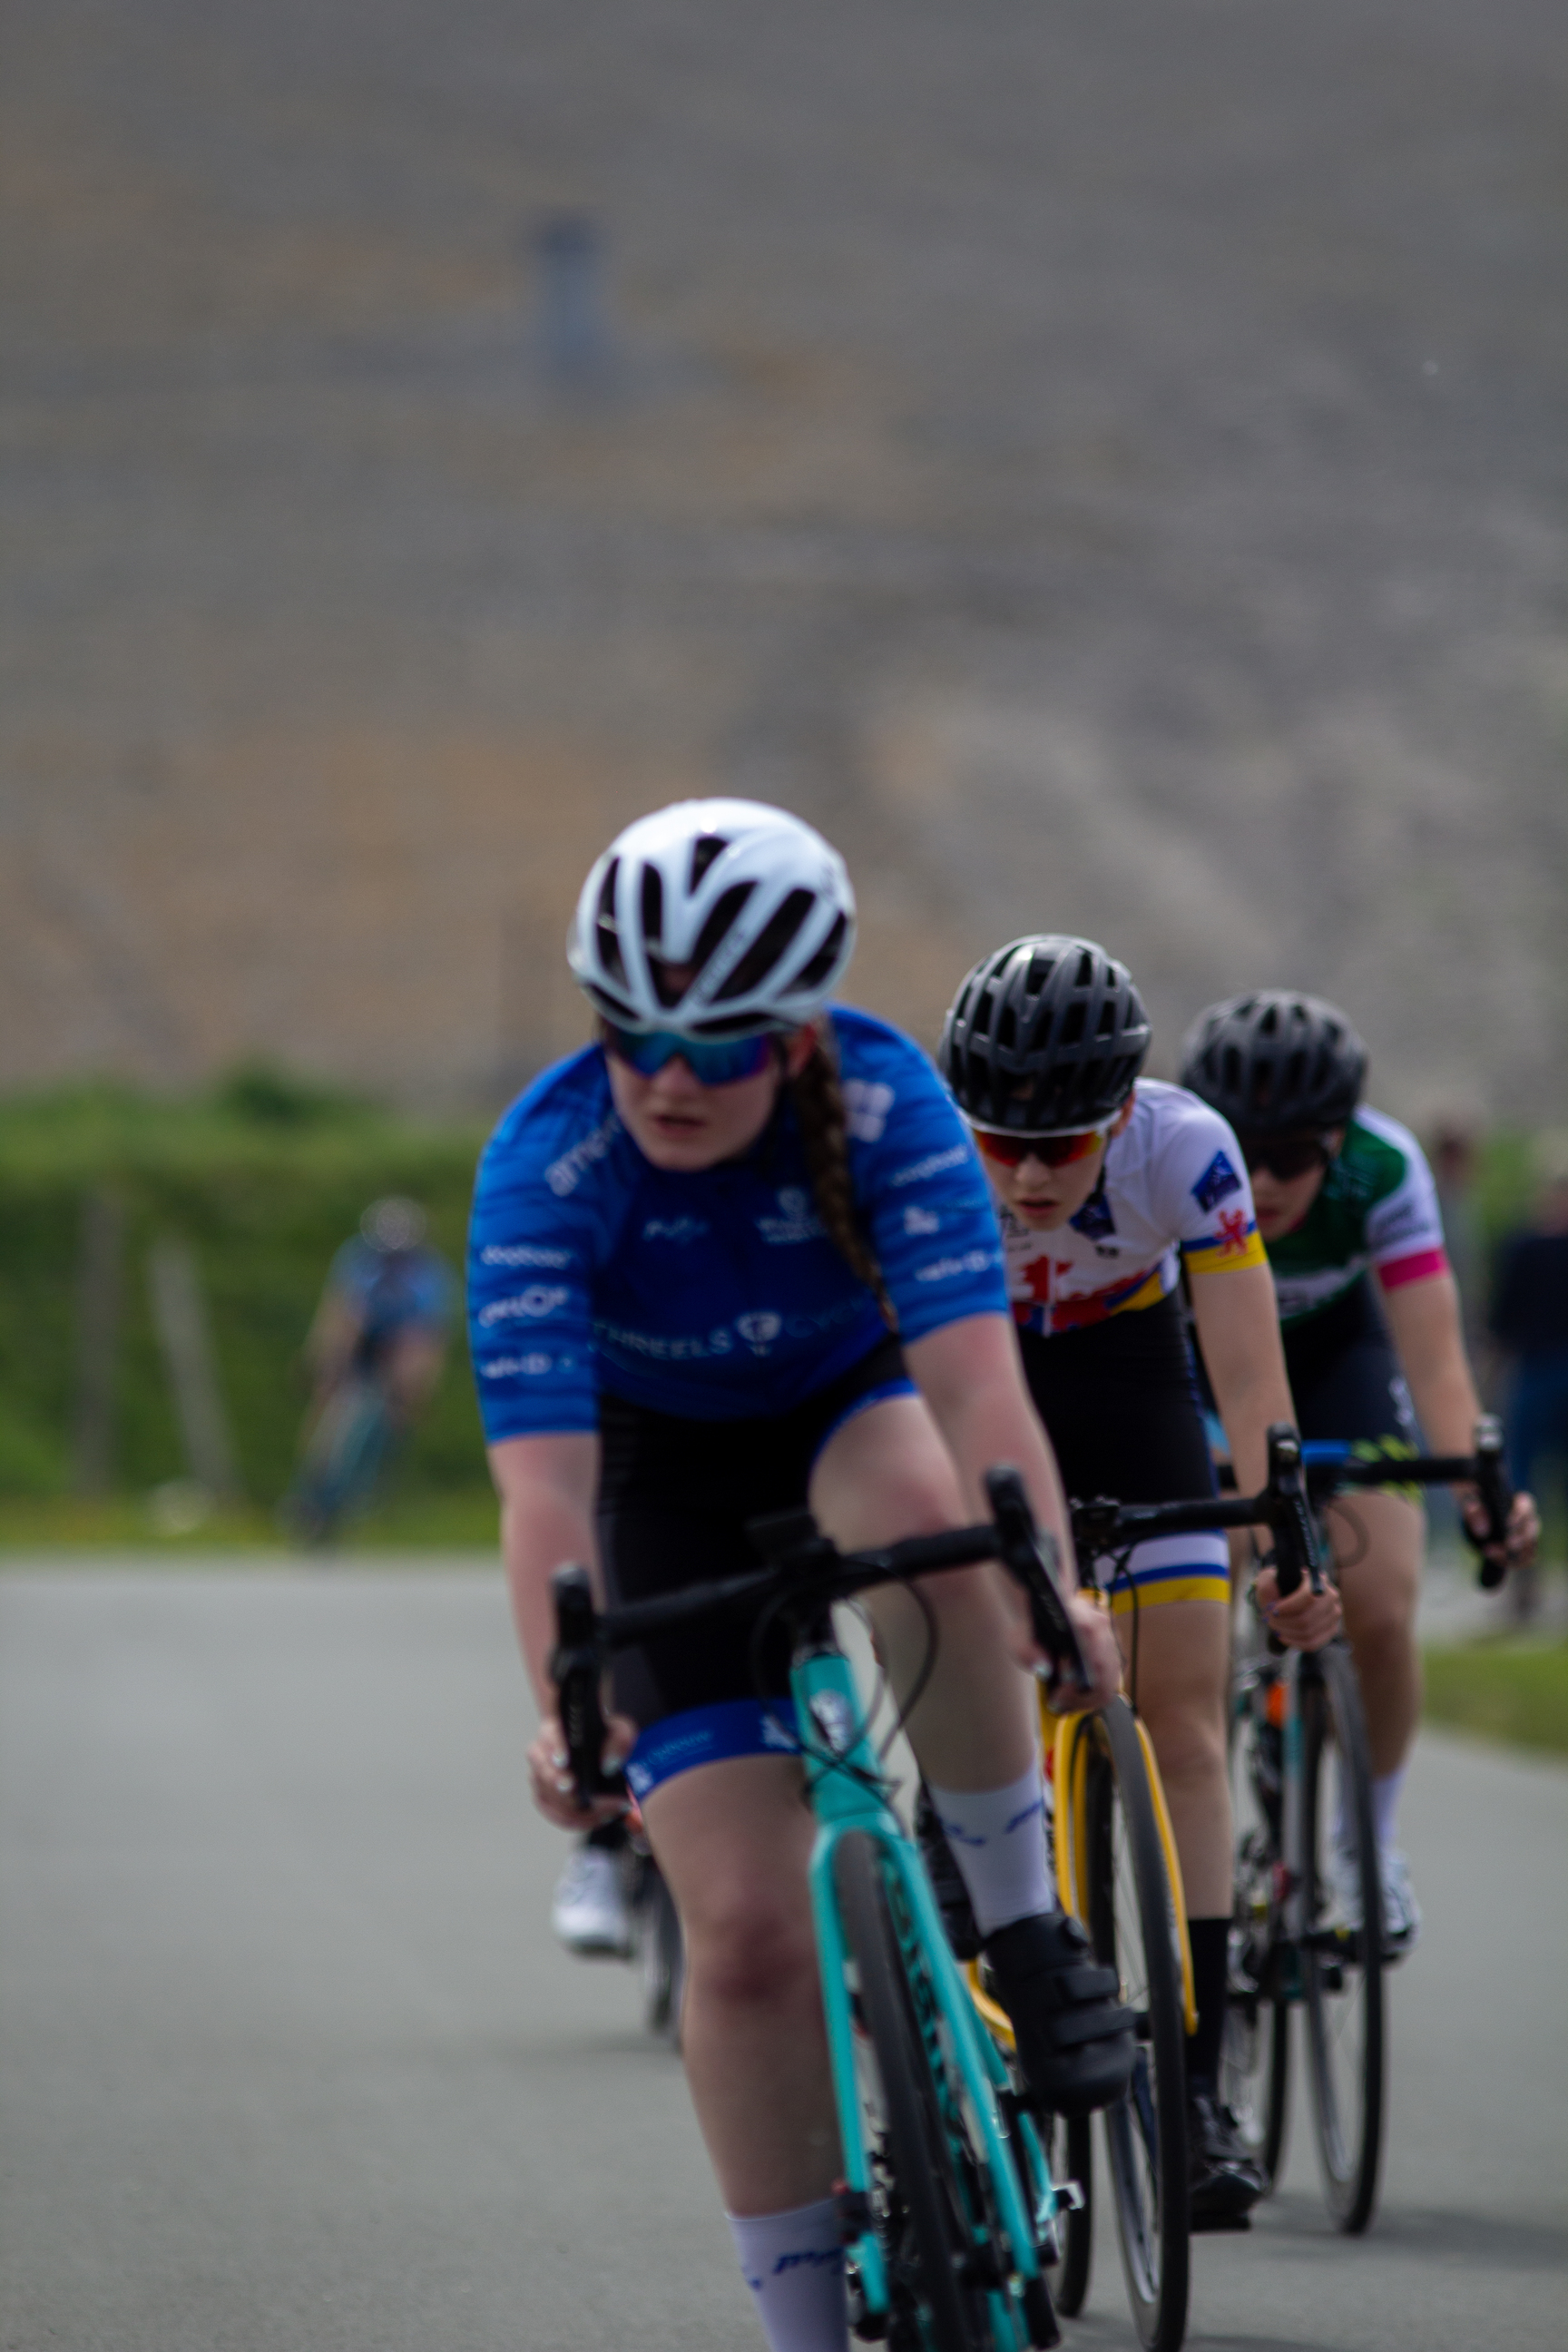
pixel 929 2191
pixel 661 1954
pixel 1133 1925
pixel 1342 1958
pixel 1254 2061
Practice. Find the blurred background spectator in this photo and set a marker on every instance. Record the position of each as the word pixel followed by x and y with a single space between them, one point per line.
pixel 1530 1323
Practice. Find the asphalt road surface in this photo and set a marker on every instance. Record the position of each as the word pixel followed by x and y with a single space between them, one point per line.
pixel 288 2062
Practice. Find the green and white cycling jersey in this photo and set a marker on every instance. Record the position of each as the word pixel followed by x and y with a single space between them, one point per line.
pixel 1378 1209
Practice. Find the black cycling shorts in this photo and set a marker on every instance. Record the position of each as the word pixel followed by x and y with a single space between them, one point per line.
pixel 1120 1401
pixel 1344 1374
pixel 675 1496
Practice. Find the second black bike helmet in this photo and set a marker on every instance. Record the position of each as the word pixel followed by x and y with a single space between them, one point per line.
pixel 1047 1032
pixel 1275 1063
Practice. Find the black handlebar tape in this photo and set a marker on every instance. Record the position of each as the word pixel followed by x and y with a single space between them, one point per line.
pixel 574 1669
pixel 1496 1494
pixel 1290 1516
pixel 1023 1552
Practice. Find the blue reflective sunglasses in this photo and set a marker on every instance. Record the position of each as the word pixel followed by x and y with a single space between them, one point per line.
pixel 712 1061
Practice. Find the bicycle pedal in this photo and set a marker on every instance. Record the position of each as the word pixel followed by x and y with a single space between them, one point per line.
pixel 1069 2195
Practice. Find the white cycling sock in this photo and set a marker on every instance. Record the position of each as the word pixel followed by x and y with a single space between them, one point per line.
pixel 1386 1804
pixel 793 2264
pixel 999 1840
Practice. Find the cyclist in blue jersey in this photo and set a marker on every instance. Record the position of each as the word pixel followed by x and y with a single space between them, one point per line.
pixel 1112 1188
pixel 737 1256
pixel 375 1351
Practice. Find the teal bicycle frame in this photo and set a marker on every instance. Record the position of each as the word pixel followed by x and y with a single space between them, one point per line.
pixel 848 1792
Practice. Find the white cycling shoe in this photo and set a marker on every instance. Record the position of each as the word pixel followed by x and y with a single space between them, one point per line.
pixel 589 1912
pixel 1401 1911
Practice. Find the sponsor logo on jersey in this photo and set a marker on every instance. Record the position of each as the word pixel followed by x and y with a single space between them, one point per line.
pixel 564 1175
pixel 539 1298
pixel 666 1347
pixel 760 1330
pixel 777 1734
pixel 835 1718
pixel 868 1102
pixel 1217 1183
pixel 674 1229
pixel 531 1367
pixel 521 1254
pixel 922 1220
pixel 931 1165
pixel 797 1221
pixel 947 1269
pixel 1094 1219
pixel 1408 1221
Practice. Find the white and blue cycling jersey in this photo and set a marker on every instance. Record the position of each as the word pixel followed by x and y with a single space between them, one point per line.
pixel 715 1294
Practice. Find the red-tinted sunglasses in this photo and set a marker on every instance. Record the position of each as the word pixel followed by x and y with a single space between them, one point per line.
pixel 1010 1151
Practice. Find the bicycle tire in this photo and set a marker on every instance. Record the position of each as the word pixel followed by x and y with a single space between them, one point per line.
pixel 1133 1926
pixel 1073 2141
pixel 1255 2059
pixel 917 2195
pixel 1341 1967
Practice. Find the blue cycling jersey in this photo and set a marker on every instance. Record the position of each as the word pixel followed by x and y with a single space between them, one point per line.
pixel 717 1295
pixel 395 1290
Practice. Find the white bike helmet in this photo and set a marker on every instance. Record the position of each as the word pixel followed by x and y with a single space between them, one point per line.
pixel 715 918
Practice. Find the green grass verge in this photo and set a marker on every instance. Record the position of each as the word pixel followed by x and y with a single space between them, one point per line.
pixel 1515 1691
pixel 33 1528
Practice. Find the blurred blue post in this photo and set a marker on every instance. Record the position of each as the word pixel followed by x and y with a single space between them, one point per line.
pixel 577 350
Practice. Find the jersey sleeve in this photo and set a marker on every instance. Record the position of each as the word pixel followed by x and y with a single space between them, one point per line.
pixel 531 1260
pixel 1203 1192
pixel 922 1193
pixel 1404 1224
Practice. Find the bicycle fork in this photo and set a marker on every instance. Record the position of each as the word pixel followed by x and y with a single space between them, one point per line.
pixel 848 1792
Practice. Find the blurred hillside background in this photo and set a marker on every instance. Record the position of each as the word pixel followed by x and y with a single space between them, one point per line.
pixel 1105 465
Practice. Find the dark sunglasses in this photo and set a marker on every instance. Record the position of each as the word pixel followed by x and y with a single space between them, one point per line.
pixel 712 1061
pixel 1010 1151
pixel 1284 1156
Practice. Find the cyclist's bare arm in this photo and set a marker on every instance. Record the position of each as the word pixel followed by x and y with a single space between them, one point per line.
pixel 1424 1318
pixel 333 1339
pixel 968 1374
pixel 1238 1322
pixel 547 1486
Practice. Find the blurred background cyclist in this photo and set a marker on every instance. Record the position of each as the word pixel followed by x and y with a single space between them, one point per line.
pixel 1530 1325
pixel 375 1351
pixel 1373 1343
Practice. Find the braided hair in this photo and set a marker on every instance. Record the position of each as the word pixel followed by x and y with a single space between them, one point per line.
pixel 819 1104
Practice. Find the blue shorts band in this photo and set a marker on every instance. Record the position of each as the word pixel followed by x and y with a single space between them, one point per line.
pixel 710 1735
pixel 902 1386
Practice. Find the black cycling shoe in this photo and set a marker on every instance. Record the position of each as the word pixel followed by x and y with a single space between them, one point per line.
pixel 1223 2182
pixel 946 1879
pixel 1074 2038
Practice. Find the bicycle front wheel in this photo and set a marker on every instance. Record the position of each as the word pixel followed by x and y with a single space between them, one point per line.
pixel 1342 1958
pixel 1134 1928
pixel 926 2189
pixel 1254 2061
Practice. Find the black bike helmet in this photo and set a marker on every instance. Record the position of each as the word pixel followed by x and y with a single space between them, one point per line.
pixel 1275 1063
pixel 1047 1032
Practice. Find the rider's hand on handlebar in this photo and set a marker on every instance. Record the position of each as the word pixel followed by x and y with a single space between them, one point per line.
pixel 550 1774
pixel 1100 1656
pixel 1518 1549
pixel 1304 1621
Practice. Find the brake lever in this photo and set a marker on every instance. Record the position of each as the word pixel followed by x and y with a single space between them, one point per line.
pixel 1031 1558
pixel 1497 1499
pixel 1296 1548
pixel 575 1668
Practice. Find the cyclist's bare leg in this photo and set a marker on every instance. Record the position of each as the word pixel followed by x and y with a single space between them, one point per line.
pixel 733 1840
pixel 1378 1541
pixel 410 1368
pixel 1184 1656
pixel 886 1474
